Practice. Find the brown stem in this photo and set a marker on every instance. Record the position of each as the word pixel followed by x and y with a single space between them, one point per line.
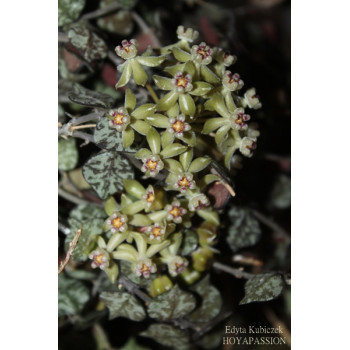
pixel 233 271
pixel 72 246
pixel 132 288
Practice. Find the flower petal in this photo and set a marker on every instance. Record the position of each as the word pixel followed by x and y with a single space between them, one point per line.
pixel 134 188
pixel 167 138
pixel 143 152
pixel 200 88
pixel 186 158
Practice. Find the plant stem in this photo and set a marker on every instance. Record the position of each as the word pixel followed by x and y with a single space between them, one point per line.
pixel 146 30
pixel 72 128
pixel 101 11
pixel 233 271
pixel 70 197
pixel 85 118
pixel 132 288
pixel 152 92
pixel 102 342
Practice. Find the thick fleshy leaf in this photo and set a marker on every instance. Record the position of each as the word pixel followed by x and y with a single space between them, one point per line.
pixel 89 98
pixel 151 61
pixel 158 120
pixel 134 188
pixel 167 138
pixel 163 83
pixel 88 43
pixel 144 111
pixel 217 103
pixel 141 127
pixel 208 179
pixel 174 69
pixel 143 152
pixel 212 124
pixel 189 137
pixel 181 55
pixel 84 212
pixel 111 206
pixel 168 336
pixel 173 150
pixel 262 287
pixel 209 215
pixel 171 305
pixel 173 166
pixel 199 164
pixel 153 139
pixel 106 171
pixel 209 75
pixel 69 11
pixel 106 137
pixel 228 156
pixel 244 231
pixel 211 301
pixel 187 104
pixel 189 243
pixel 128 137
pixel 158 216
pixel 130 100
pixel 200 88
pixel 72 296
pixel 221 134
pixel 167 101
pixel 126 74
pixel 122 304
pixel 190 68
pixel 135 207
pixel 67 154
pixel 186 158
pixel 140 220
pixel 139 74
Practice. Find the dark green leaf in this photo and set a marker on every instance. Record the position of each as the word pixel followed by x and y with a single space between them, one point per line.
pixel 67 154
pixel 280 197
pixel 86 97
pixel 245 229
pixel 121 304
pixel 167 335
pixel 119 23
pixel 87 211
pixel 106 137
pixel 189 243
pixel 105 173
pixel 170 305
pixel 69 11
pixel 262 287
pixel 72 296
pixel 211 301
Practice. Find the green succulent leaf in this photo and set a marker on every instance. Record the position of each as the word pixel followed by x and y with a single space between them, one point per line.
pixel 187 104
pixel 69 11
pixel 121 304
pixel 189 137
pixel 172 70
pixel 140 220
pixel 167 138
pixel 163 83
pixel 181 55
pixel 126 74
pixel 173 166
pixel 167 101
pixel 211 301
pixel 209 215
pixel 72 296
pixel 262 287
pixel 143 111
pixel 141 127
pixel 106 137
pixel 190 68
pixel 158 120
pixel 143 152
pixel 134 188
pixel 212 124
pixel 67 154
pixel 186 158
pixel 199 164
pixel 200 88
pixel 173 150
pixel 244 231
pixel 130 100
pixel 221 134
pixel 153 139
pixel 89 98
pixel 151 61
pixel 106 171
pixel 139 74
pixel 88 43
pixel 172 304
pixel 209 75
pixel 167 335
pixel 128 137
pixel 111 206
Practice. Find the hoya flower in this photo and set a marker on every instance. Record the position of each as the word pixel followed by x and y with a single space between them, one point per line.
pixel 202 53
pixel 119 118
pixel 100 258
pixel 224 57
pixel 175 212
pixel 177 265
pixel 251 99
pixel 152 165
pixel 148 197
pixel 144 268
pixel 178 126
pixel 186 34
pixel 132 66
pixel 156 231
pixel 198 202
pixel 232 118
pixel 232 82
pixel 247 147
pixel 181 88
pixel 117 222
pixel 184 182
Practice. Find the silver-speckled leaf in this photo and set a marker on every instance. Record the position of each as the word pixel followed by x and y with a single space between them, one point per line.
pixel 167 335
pixel 262 287
pixel 211 301
pixel 280 197
pixel 72 296
pixel 67 154
pixel 90 228
pixel 69 11
pixel 106 137
pixel 244 231
pixel 122 304
pixel 189 242
pixel 88 43
pixel 86 212
pixel 106 171
pixel 89 98
pixel 126 270
pixel 170 305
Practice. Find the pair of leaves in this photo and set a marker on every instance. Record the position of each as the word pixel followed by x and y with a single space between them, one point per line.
pixel 106 171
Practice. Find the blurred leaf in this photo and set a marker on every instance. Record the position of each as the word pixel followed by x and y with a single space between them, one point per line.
pixel 88 43
pixel 105 173
pixel 212 340
pixel 69 11
pixel 280 197
pixel 127 4
pixel 76 176
pixel 106 137
pixel 122 304
pixel 81 274
pixel 87 211
pixel 189 242
pixel 133 345
pixel 244 231
pixel 170 305
pixel 211 301
pixel 67 154
pixel 72 296
pixel 167 335
pixel 262 287
pixel 90 228
pixel 86 97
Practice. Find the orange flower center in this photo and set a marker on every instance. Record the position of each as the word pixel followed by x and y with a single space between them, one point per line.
pixel 98 259
pixel 127 49
pixel 239 120
pixel 202 53
pixel 117 222
pixel 178 126
pixel 152 164
pixel 181 82
pixel 118 119
pixel 175 212
pixel 144 268
pixel 156 231
pixel 184 182
pixel 150 197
